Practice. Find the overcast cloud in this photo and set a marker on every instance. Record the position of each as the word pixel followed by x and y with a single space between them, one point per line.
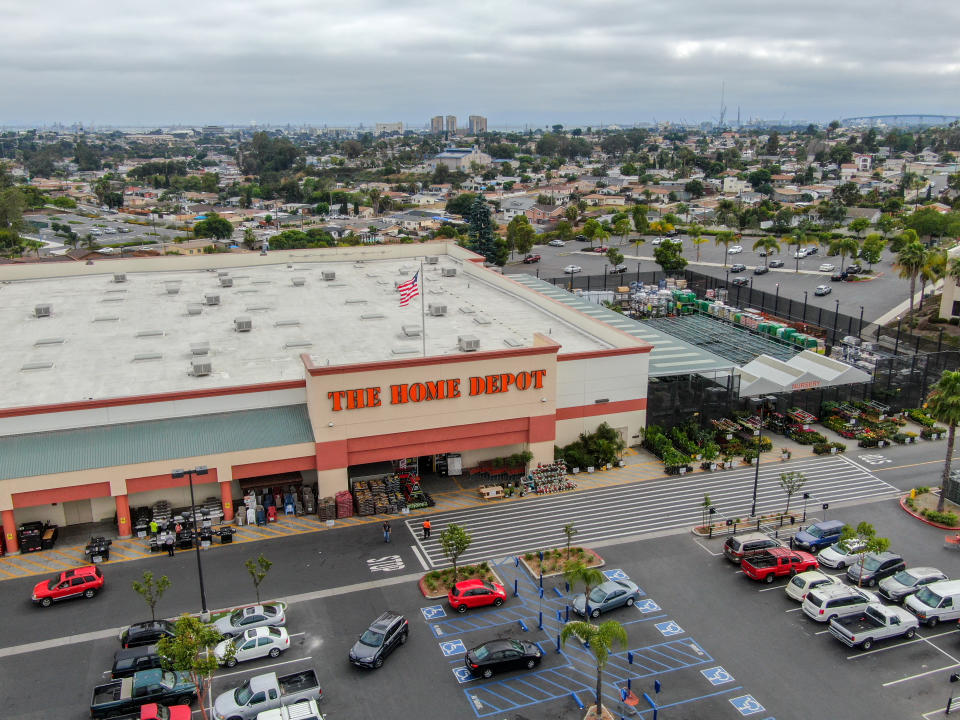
pixel 517 62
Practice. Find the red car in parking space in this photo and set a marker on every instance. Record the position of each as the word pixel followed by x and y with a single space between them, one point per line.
pixel 475 593
pixel 79 582
pixel 531 259
pixel 601 249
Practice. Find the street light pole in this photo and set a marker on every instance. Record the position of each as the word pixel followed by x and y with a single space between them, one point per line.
pixel 896 345
pixel 756 472
pixel 804 319
pixel 776 300
pixel 200 470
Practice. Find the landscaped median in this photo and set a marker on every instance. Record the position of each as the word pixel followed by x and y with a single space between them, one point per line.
pixel 921 502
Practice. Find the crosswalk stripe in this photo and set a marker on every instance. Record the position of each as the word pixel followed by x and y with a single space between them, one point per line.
pixel 646 507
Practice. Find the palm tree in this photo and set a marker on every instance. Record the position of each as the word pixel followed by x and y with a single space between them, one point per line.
pixel 724 237
pixel 934 269
pixel 797 239
pixel 576 573
pixel 695 232
pixel 769 244
pixel 845 246
pixel 725 211
pixel 600 639
pixel 943 403
pixel 910 260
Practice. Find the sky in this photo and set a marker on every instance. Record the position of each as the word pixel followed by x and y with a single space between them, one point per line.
pixel 518 63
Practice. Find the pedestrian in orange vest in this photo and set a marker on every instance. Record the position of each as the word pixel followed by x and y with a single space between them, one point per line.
pixel 426 529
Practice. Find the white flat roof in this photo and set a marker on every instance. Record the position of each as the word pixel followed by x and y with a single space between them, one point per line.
pixel 108 339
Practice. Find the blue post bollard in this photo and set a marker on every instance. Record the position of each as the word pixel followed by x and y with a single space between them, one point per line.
pixel 577 701
pixel 623 695
pixel 652 704
pixel 656 686
pixel 558 642
pixel 567 586
pixel 541 581
pixel 629 658
pixel 566 613
pixel 516 588
pixel 540 621
pixel 516 561
pixel 523 625
pixel 629 684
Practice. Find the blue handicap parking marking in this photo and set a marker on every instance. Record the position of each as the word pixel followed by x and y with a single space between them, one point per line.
pixel 452 647
pixel 746 705
pixel 616 575
pixel 462 675
pixel 646 606
pixel 433 612
pixel 669 628
pixel 717 675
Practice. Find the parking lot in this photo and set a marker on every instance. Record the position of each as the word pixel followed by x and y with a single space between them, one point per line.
pixel 107 229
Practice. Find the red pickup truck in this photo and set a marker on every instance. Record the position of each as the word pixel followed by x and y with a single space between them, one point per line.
pixel 777 562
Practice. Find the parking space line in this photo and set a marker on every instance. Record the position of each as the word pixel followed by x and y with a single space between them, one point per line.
pixel 261 667
pixel 900 645
pixel 706 549
pixel 772 587
pixel 416 552
pixel 919 675
pixel 796 609
pixel 937 647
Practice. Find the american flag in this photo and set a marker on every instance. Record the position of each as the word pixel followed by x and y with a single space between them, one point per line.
pixel 409 290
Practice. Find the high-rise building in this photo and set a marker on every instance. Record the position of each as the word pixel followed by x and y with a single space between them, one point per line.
pixel 478 124
pixel 436 124
pixel 452 124
pixel 389 128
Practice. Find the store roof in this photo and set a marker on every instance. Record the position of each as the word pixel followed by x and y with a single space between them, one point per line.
pixel 130 443
pixel 670 355
pixel 802 372
pixel 104 339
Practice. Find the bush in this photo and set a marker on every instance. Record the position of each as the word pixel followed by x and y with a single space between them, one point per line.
pixel 955 321
pixel 821 449
pixel 944 518
pixel 921 489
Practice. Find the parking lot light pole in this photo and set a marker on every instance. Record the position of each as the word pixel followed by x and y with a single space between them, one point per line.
pixel 804 318
pixel 776 300
pixel 756 470
pixel 199 470
pixel 896 345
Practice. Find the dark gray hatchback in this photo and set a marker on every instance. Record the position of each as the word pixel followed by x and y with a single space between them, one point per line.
pixel 380 639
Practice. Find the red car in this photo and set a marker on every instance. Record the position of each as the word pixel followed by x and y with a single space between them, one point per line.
pixel 601 249
pixel 531 259
pixel 79 582
pixel 475 593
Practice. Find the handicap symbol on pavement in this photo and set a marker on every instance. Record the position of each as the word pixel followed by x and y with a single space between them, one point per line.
pixel 462 674
pixel 669 628
pixel 452 647
pixel 616 575
pixel 717 675
pixel 433 612
pixel 746 705
pixel 646 606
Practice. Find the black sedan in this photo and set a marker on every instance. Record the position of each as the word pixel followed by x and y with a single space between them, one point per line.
pixel 738 267
pixel 874 567
pixel 146 633
pixel 500 655
pixel 761 270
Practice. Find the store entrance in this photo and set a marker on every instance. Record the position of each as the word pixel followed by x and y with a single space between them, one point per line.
pixel 268 497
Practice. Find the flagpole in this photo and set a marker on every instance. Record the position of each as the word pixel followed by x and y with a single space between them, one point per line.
pixel 423 313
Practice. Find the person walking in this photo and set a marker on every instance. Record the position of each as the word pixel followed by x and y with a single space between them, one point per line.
pixel 426 529
pixel 168 543
pixel 386 531
pixel 154 528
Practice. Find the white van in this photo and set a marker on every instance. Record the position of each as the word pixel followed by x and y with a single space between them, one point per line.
pixel 936 602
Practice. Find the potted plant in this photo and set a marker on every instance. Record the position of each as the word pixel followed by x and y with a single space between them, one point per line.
pixel 785 453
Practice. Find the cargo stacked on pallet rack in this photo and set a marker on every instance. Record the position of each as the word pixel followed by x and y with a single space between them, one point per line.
pixel 344 504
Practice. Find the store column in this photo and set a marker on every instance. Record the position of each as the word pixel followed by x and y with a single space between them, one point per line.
pixel 125 530
pixel 226 499
pixel 10 533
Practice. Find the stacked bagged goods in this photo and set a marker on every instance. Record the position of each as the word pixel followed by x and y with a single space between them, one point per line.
pixel 344 504
pixel 309 501
pixel 327 509
pixel 363 498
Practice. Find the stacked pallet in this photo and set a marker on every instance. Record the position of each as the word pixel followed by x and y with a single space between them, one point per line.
pixel 344 504
pixel 363 498
pixel 327 510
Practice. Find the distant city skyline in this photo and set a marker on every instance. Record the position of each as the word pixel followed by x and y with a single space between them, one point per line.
pixel 519 64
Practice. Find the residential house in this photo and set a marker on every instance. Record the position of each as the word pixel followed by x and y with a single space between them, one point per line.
pixel 734 186
pixel 513 206
pixel 461 159
pixel 545 214
pixel 870 214
pixel 847 171
pixel 787 194
pixel 863 162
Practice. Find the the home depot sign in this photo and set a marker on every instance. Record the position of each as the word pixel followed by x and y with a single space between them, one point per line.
pixel 404 393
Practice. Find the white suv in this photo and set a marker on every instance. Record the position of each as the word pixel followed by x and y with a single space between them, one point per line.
pixel 841 554
pixel 823 604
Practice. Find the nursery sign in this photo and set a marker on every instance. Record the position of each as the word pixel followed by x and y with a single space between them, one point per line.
pixel 403 393
pixel 805 385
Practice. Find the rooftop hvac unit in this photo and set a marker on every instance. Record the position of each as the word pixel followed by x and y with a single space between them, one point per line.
pixel 199 368
pixel 222 273
pixel 173 288
pixel 298 281
pixel 328 275
pixel 194 308
pixel 468 343
pixel 119 277
pixel 449 272
pixel 432 259
pixel 211 299
pixel 200 348
pixel 437 309
pixel 42 310
pixel 226 281
pixel 243 324
pixel 411 330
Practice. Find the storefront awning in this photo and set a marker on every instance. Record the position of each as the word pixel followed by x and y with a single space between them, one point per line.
pixel 805 371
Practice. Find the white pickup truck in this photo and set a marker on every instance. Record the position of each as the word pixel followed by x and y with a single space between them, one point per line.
pixel 303 710
pixel 266 692
pixel 878 622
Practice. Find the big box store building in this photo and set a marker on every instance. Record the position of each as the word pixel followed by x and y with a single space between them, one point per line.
pixel 295 364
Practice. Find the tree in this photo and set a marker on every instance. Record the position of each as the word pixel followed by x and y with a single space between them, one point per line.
pixel 614 256
pixel 866 536
pixel 460 205
pixel 258 571
pixel 705 508
pixel 670 258
pixel 887 224
pixel 798 239
pixel 910 260
pixel 249 239
pixel 600 639
pixel 577 573
pixel 190 650
pixel 943 403
pixel 520 234
pixel 845 246
pixel 481 231
pixel 151 591
pixel 697 237
pixel 213 226
pixel 791 482
pixel 769 245
pixel 569 530
pixel 873 248
pixel 621 228
pixel 859 226
pixel 725 238
pixel 571 213
pixel 694 188
pixel 639 215
pixel 454 541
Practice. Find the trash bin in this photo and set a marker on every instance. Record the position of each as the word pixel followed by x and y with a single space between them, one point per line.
pixel 226 535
